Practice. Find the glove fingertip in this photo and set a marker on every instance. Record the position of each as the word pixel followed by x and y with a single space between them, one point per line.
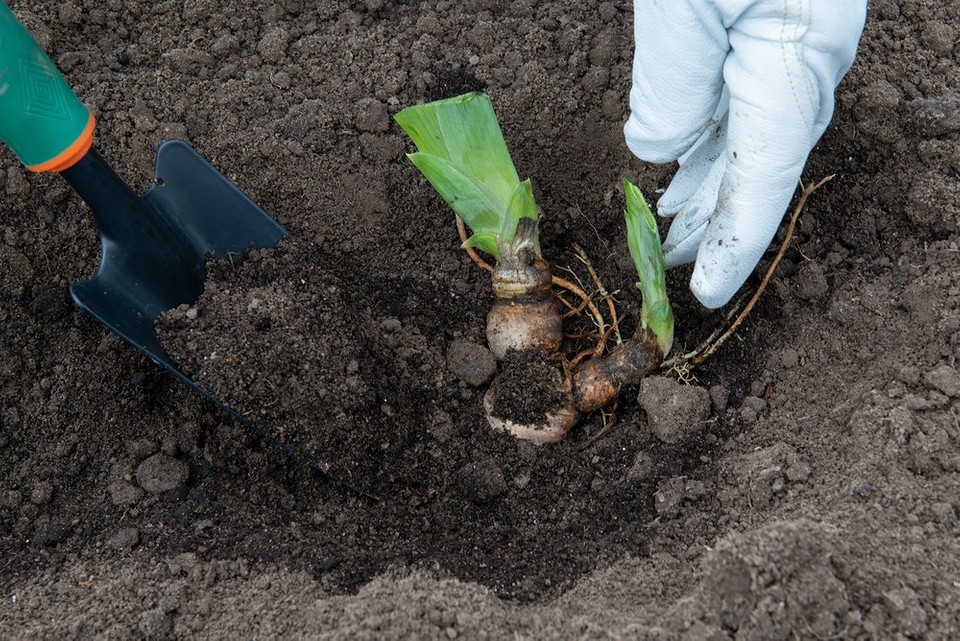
pixel 718 275
pixel 668 211
pixel 676 255
pixel 682 244
pixel 711 295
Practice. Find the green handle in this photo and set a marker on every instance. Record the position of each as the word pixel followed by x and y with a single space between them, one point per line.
pixel 40 118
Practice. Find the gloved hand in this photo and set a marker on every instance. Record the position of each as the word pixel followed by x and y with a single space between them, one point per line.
pixel 739 91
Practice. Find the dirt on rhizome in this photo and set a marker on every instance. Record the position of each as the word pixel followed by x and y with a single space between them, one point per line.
pixel 803 484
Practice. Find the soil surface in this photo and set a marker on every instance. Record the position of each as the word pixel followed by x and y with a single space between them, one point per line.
pixel 804 484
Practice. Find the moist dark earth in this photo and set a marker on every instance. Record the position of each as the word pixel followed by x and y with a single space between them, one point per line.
pixel 801 483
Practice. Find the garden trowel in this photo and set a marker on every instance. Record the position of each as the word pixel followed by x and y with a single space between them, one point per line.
pixel 153 247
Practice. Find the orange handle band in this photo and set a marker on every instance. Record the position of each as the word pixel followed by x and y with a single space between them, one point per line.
pixel 69 156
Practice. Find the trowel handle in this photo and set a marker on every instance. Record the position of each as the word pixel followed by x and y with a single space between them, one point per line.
pixel 41 119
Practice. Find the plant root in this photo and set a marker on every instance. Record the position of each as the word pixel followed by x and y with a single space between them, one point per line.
pixel 609 420
pixel 604 294
pixel 474 256
pixel 598 318
pixel 596 352
pixel 706 349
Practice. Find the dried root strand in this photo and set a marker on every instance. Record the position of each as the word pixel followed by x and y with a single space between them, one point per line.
pixel 604 294
pixel 598 318
pixel 717 339
pixel 471 252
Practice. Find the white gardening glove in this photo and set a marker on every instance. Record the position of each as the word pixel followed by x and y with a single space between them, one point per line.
pixel 739 91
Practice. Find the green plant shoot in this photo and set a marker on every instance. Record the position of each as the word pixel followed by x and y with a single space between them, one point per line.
pixel 461 151
pixel 643 240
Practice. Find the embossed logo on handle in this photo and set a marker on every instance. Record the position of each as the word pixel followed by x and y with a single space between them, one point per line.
pixel 42 91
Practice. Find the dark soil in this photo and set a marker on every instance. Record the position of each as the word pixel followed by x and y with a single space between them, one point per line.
pixel 815 495
pixel 528 388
